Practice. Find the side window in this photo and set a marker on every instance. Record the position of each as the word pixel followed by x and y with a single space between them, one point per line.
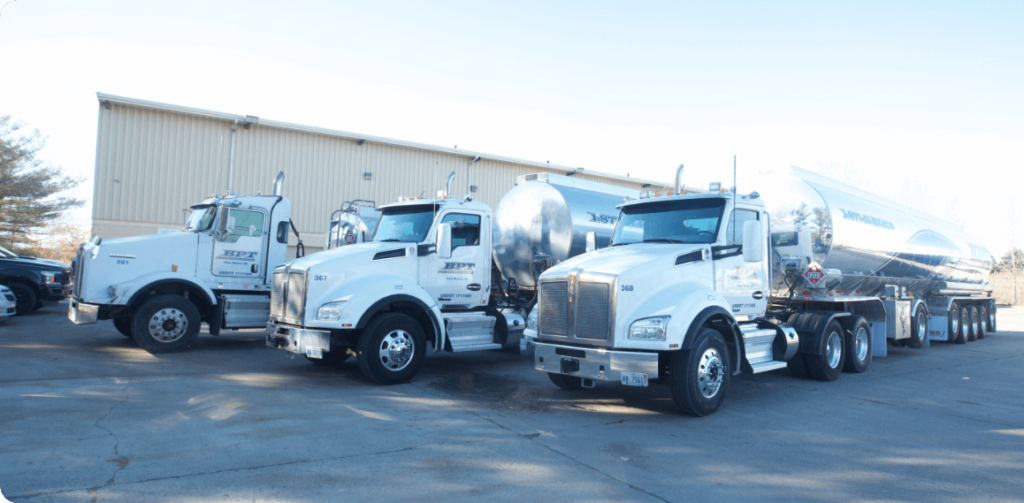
pixel 242 223
pixel 465 229
pixel 734 235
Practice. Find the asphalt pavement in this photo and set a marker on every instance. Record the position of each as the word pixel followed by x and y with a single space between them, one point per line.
pixel 85 415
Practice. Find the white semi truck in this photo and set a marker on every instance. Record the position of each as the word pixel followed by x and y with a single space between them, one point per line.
pixel 445 272
pixel 158 289
pixel 804 273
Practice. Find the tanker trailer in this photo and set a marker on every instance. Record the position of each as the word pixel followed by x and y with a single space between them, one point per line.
pixel 804 272
pixel 352 223
pixel 444 271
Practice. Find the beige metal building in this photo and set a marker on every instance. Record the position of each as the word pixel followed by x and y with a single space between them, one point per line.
pixel 154 160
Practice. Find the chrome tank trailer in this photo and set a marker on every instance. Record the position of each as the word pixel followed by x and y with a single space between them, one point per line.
pixel 863 242
pixel 351 224
pixel 546 218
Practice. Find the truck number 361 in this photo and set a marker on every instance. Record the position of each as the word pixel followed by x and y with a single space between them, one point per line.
pixel 626 288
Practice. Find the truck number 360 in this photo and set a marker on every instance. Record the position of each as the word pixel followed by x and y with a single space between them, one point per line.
pixel 626 288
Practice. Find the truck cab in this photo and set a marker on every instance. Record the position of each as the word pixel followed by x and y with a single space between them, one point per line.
pixel 158 289
pixel 672 300
pixel 424 276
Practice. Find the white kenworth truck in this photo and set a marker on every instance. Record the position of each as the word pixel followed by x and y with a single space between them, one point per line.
pixel 805 273
pixel 158 289
pixel 444 272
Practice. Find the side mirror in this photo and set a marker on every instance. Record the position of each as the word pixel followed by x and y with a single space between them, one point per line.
pixel 752 241
pixel 591 242
pixel 444 241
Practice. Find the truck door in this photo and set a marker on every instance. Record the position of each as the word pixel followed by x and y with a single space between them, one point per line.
pixel 461 280
pixel 239 244
pixel 743 284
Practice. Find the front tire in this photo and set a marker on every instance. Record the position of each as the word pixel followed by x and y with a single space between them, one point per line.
pixel 391 349
pixel 828 365
pixel 25 299
pixel 565 382
pixel 857 338
pixel 165 324
pixel 699 377
pixel 124 326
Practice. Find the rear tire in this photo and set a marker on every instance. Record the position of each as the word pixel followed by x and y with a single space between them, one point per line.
pixel 965 326
pixel 828 365
pixel 798 366
pixel 918 329
pixel 699 377
pixel 973 334
pixel 982 322
pixel 391 348
pixel 857 337
pixel 25 299
pixel 124 326
pixel 953 323
pixel 165 324
pixel 565 382
pixel 992 318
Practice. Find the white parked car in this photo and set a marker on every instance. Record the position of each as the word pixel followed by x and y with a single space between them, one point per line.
pixel 7 302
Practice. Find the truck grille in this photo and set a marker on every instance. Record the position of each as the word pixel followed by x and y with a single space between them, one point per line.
pixel 277 295
pixel 296 295
pixel 592 311
pixel 288 296
pixel 554 308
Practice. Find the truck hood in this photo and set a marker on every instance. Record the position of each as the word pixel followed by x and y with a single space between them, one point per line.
pixel 141 245
pixel 620 259
pixel 38 263
pixel 351 256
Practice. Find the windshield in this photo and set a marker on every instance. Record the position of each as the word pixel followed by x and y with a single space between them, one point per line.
pixel 408 224
pixel 201 218
pixel 678 221
pixel 5 253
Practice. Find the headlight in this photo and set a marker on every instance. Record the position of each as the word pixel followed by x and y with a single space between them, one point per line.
pixel 531 321
pixel 50 277
pixel 330 311
pixel 649 329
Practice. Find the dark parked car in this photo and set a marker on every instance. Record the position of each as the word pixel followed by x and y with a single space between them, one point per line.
pixel 34 280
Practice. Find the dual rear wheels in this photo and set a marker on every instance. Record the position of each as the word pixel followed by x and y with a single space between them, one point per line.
pixel 969 323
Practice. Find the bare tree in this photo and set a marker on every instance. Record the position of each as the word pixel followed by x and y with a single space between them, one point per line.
pixel 1011 228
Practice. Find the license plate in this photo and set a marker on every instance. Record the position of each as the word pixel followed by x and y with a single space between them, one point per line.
pixel 318 353
pixel 634 379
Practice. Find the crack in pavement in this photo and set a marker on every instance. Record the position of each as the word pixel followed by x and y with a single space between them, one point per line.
pixel 239 469
pixel 121 461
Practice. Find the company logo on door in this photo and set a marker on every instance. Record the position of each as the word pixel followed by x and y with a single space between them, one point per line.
pixel 238 255
pixel 457 268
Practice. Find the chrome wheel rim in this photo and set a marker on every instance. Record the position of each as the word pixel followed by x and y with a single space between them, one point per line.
pixel 168 325
pixel 834 349
pixel 396 350
pixel 922 327
pixel 710 373
pixel 862 344
pixel 965 320
pixel 954 323
pixel 974 324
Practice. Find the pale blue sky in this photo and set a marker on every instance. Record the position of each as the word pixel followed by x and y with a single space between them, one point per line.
pixel 927 92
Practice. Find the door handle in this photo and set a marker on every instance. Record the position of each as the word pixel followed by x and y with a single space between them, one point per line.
pixel 758 295
pixel 255 268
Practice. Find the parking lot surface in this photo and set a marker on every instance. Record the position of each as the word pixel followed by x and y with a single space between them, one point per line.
pixel 87 416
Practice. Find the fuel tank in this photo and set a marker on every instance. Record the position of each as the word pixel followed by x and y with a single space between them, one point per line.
pixel 862 241
pixel 546 217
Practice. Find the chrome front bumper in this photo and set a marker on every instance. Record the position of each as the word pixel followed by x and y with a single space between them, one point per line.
pixel 597 364
pixel 296 340
pixel 82 314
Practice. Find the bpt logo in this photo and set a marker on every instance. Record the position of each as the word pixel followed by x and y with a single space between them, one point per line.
pixel 457 268
pixel 238 255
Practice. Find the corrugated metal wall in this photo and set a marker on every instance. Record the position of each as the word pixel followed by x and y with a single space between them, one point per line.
pixel 152 164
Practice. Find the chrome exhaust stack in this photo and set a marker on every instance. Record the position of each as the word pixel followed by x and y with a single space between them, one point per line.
pixel 451 179
pixel 679 179
pixel 279 184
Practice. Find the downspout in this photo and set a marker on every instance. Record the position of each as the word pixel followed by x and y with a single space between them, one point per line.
pixel 231 161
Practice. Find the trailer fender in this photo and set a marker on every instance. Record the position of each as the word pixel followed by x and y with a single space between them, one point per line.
pixel 810 326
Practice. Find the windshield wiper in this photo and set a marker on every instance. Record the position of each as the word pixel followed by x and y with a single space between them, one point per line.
pixel 392 240
pixel 663 240
pixel 622 244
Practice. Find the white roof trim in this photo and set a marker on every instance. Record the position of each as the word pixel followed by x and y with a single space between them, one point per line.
pixel 208 114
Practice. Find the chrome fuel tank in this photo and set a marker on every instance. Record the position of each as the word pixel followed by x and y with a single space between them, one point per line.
pixel 863 241
pixel 550 215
